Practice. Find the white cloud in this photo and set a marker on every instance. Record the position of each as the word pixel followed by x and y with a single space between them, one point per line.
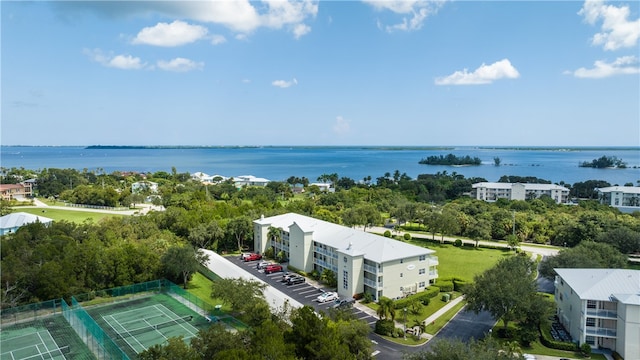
pixel 300 30
pixel 485 74
pixel 125 62
pixel 175 34
pixel 284 83
pixel 617 30
pixel 180 65
pixel 218 39
pixel 626 65
pixel 341 126
pixel 414 12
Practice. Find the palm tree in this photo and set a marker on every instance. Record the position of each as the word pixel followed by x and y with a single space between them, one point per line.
pixel 386 309
pixel 275 234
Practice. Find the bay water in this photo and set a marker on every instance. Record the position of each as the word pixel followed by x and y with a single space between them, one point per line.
pixel 277 163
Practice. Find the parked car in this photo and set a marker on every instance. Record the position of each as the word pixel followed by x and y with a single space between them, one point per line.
pixel 286 276
pixel 244 255
pixel 296 279
pixel 263 264
pixel 253 257
pixel 343 303
pixel 327 296
pixel 271 268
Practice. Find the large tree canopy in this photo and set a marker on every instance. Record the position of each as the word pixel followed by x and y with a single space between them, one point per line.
pixel 587 254
pixel 503 290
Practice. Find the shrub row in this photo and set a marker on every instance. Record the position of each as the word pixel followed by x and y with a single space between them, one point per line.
pixel 548 341
pixel 444 285
pixel 424 297
pixel 295 270
pixel 385 327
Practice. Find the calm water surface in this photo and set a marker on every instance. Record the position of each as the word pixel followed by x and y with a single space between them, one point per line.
pixel 278 163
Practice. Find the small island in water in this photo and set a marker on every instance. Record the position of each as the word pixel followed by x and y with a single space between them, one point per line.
pixel 450 159
pixel 605 162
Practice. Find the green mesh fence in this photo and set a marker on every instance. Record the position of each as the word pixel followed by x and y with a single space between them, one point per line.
pixel 91 333
pixel 40 331
pixel 208 273
pixel 80 330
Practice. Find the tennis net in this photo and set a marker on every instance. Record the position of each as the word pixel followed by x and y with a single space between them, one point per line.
pixel 146 329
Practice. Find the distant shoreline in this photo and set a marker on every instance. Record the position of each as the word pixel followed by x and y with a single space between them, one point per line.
pixel 357 147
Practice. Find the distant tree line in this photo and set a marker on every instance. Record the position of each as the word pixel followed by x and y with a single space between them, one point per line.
pixel 450 159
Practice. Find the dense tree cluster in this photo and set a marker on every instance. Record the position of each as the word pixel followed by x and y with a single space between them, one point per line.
pixel 451 159
pixel 288 334
pixel 604 162
pixel 218 217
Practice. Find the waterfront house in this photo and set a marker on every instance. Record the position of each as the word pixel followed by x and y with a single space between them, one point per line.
pixel 601 307
pixel 21 191
pixel 362 262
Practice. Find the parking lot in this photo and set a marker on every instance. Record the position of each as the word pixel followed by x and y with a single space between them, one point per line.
pixel 305 293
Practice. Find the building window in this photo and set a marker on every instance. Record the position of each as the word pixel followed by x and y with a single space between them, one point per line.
pixel 421 272
pixel 591 321
pixel 400 274
pixel 422 258
pixel 421 284
pixel 345 279
pixel 591 304
pixel 561 297
pixel 401 261
pixel 591 340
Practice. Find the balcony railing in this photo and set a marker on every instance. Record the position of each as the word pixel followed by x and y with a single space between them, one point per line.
pixel 325 265
pixel 372 283
pixel 433 260
pixel 370 268
pixel 594 331
pixel 433 273
pixel 611 314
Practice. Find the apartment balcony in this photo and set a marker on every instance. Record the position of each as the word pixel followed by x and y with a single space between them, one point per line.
pixel 433 273
pixel 326 252
pixel 371 268
pixel 595 331
pixel 601 313
pixel 372 283
pixel 433 260
pixel 325 265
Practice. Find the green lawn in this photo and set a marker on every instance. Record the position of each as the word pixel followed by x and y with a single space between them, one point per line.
pixel 200 286
pixel 67 215
pixel 462 262
pixel 435 304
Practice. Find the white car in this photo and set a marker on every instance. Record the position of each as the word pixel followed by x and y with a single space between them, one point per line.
pixel 529 357
pixel 327 296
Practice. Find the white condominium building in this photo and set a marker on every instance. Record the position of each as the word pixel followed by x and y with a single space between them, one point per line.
pixel 362 262
pixel 492 191
pixel 601 307
pixel 620 196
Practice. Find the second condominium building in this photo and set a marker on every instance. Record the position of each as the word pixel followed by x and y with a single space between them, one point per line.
pixel 362 262
pixel 492 191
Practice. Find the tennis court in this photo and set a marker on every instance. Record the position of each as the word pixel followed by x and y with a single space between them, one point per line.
pixel 143 327
pixel 30 343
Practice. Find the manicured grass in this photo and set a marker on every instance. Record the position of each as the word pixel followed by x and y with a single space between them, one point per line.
pixel 67 215
pixel 440 322
pixel 434 305
pixel 200 286
pixel 463 262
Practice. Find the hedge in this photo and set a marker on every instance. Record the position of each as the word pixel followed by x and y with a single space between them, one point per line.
pixel 385 327
pixel 424 297
pixel 546 340
pixel 445 285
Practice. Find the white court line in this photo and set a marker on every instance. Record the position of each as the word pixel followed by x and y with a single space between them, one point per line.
pixel 119 333
pixel 156 329
pixel 182 326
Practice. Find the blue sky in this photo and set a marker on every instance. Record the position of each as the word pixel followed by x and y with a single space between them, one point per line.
pixel 425 73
